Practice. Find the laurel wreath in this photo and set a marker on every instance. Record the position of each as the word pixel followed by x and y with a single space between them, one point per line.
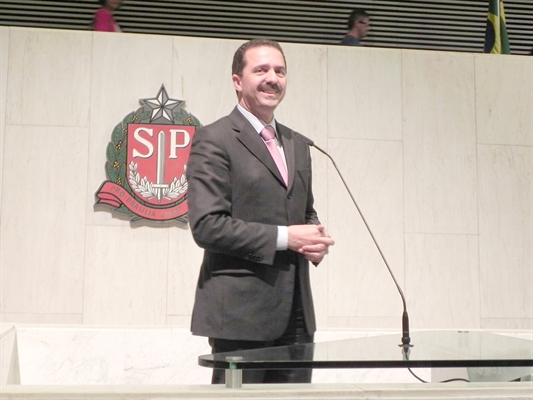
pixel 116 153
pixel 145 188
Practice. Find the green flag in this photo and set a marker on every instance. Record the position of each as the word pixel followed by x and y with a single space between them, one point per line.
pixel 496 39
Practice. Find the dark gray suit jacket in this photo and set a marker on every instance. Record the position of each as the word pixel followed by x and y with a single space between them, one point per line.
pixel 236 199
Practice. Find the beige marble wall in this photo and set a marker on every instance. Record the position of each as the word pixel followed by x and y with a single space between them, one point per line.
pixel 504 110
pixel 9 365
pixel 436 149
pixel 4 51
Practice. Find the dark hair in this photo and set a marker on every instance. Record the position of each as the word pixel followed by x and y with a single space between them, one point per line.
pixel 355 15
pixel 238 58
pixel 103 3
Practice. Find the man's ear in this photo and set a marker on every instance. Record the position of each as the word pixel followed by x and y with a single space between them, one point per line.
pixel 236 82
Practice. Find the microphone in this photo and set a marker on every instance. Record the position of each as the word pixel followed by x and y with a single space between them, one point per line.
pixel 406 340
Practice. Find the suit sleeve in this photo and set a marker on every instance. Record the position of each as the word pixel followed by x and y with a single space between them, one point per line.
pixel 210 206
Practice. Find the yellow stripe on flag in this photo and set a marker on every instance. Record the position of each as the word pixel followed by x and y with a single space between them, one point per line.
pixel 496 39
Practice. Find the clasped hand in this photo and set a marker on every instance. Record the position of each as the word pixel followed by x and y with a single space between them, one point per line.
pixel 312 241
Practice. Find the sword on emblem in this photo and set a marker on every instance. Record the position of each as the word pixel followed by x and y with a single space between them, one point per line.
pixel 160 177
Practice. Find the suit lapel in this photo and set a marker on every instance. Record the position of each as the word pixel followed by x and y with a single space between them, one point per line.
pixel 247 135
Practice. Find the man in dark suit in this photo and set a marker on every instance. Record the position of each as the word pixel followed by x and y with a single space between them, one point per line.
pixel 258 228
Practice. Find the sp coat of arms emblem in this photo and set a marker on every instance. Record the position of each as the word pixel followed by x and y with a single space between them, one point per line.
pixel 147 159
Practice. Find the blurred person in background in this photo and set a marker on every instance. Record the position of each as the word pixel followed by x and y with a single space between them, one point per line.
pixel 358 27
pixel 104 21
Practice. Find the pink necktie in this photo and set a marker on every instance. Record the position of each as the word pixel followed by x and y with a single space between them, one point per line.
pixel 269 136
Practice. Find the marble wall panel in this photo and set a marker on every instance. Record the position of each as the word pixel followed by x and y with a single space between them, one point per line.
pixel 125 69
pixel 439 142
pixel 202 76
pixel 70 356
pixel 394 322
pixel 504 100
pixel 43 225
pixel 510 324
pixel 307 93
pixel 184 261
pixel 304 107
pixel 364 93
pixel 442 281
pixel 113 356
pixel 4 58
pixel 43 318
pixel 126 272
pixel 170 357
pixel 506 231
pixel 49 77
pixel 359 283
pixel 9 372
pixel 51 272
pixel 179 321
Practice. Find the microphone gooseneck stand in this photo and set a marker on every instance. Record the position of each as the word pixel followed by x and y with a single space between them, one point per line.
pixel 406 340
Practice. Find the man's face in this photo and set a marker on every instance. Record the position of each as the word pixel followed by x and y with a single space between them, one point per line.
pixel 363 27
pixel 263 82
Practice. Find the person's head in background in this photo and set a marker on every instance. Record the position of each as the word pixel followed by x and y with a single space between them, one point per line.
pixel 111 5
pixel 358 23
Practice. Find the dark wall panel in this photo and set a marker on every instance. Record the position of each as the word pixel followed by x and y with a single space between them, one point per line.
pixel 456 25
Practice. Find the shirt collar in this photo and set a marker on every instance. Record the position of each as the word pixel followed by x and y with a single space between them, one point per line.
pixel 256 122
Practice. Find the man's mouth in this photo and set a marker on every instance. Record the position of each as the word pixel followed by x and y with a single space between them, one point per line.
pixel 270 89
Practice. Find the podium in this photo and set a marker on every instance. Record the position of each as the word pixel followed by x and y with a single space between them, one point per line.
pixel 468 355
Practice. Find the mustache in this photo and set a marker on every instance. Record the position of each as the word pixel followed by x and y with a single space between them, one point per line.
pixel 270 86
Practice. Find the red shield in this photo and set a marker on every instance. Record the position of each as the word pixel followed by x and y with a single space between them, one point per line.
pixel 156 160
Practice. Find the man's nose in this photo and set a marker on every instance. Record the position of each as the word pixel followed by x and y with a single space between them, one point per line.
pixel 271 76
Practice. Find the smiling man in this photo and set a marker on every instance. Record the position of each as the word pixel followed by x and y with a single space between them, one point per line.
pixel 251 210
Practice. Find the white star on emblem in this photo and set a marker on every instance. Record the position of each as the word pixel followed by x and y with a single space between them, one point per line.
pixel 161 105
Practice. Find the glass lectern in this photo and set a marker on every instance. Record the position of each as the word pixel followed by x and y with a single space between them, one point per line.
pixel 486 356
